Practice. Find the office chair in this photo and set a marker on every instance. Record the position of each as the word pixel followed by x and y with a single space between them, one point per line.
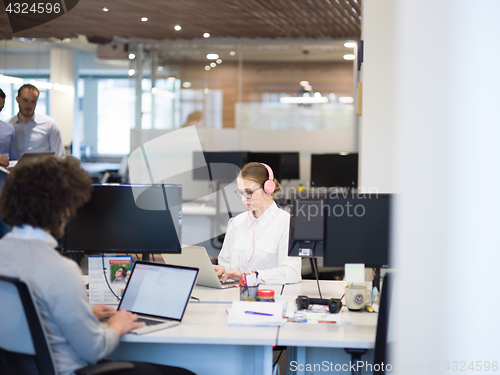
pixel 24 349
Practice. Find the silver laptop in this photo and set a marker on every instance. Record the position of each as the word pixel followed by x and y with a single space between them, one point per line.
pixel 24 158
pixel 196 256
pixel 158 294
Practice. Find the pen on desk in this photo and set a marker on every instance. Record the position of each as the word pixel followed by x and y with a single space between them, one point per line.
pixel 257 313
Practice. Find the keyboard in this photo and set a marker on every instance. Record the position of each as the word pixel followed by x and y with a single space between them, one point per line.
pixel 150 322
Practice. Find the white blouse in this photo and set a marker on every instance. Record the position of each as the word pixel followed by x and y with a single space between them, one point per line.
pixel 261 244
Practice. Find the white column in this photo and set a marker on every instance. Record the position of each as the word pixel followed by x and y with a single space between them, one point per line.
pixel 447 242
pixel 62 103
pixel 139 56
pixel 377 128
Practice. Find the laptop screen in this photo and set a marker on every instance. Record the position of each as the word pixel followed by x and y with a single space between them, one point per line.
pixel 159 290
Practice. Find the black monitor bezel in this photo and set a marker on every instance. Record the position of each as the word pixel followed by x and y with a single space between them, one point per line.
pixel 296 244
pixel 323 172
pixel 176 248
pixel 329 258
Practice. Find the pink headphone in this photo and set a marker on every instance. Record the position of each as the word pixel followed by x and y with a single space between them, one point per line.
pixel 269 186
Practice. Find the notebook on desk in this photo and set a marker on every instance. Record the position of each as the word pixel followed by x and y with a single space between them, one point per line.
pixel 197 256
pixel 158 294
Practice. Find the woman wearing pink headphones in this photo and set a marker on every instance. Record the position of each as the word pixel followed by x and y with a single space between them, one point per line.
pixel 257 240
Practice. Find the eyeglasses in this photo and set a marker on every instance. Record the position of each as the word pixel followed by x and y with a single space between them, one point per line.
pixel 246 193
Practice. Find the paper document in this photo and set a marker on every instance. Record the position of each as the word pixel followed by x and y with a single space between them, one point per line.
pixel 243 313
pixel 116 271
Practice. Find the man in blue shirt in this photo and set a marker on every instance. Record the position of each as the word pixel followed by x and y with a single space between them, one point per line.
pixel 8 150
pixel 8 147
pixel 35 132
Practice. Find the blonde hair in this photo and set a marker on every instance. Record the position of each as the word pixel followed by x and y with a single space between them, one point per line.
pixel 256 172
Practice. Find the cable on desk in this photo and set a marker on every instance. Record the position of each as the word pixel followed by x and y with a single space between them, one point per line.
pixel 105 278
pixel 317 277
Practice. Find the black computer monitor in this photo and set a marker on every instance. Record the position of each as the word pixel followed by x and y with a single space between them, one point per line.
pixel 334 170
pixel 285 165
pixel 225 165
pixel 128 219
pixel 306 225
pixel 218 165
pixel 357 230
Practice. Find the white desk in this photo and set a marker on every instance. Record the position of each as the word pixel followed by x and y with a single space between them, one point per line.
pixel 198 209
pixel 317 344
pixel 205 344
pixel 100 167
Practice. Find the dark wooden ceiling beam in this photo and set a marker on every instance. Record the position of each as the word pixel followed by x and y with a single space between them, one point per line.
pixel 221 18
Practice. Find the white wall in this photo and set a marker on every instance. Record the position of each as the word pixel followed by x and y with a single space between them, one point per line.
pixel 443 136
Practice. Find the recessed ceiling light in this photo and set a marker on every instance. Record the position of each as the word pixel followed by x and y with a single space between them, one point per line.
pixel 349 57
pixel 212 56
pixel 349 44
pixel 207 67
pixel 187 84
pixel 131 72
pixel 160 68
pixel 232 53
pixel 144 19
pixel 206 35
pixel 213 65
pixel 177 27
pixel 105 9
pixel 218 61
pixel 304 83
pixel 131 56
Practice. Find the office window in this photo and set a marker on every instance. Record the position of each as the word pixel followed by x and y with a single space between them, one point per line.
pixel 105 115
pixel 11 107
pixel 166 107
pixel 114 116
pixel 202 108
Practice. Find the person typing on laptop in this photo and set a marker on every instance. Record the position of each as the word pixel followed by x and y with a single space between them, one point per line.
pixel 38 199
pixel 257 240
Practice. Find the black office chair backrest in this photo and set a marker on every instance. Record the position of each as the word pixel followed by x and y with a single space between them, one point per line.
pixel 381 352
pixel 23 344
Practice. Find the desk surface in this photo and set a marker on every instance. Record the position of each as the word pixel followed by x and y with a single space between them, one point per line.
pixel 100 167
pixel 205 322
pixel 198 209
pixel 204 343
